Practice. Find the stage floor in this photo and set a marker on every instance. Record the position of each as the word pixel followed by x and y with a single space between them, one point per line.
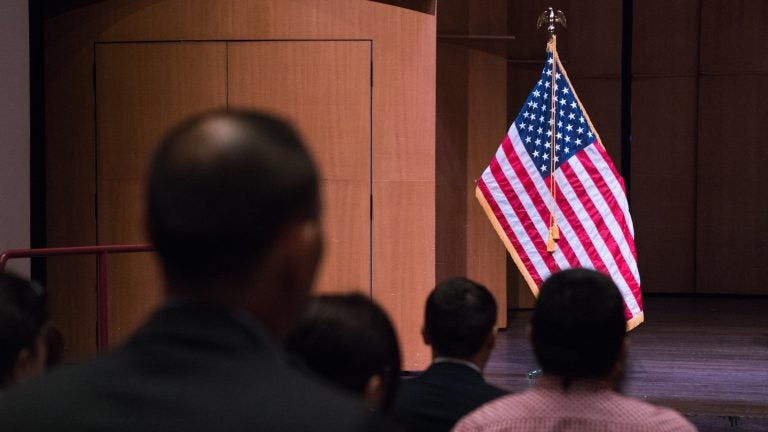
pixel 707 357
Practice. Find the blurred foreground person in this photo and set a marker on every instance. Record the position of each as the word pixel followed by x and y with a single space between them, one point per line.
pixel 233 211
pixel 460 327
pixel 24 322
pixel 348 340
pixel 578 332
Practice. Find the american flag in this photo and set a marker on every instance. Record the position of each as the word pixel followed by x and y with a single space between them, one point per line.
pixel 517 192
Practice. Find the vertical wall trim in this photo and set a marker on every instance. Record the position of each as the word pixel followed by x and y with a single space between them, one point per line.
pixel 627 12
pixel 37 179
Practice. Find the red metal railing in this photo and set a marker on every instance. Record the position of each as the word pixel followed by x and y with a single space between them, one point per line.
pixel 102 291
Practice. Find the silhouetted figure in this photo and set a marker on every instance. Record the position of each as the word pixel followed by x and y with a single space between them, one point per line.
pixel 578 332
pixel 460 327
pixel 349 340
pixel 24 322
pixel 233 210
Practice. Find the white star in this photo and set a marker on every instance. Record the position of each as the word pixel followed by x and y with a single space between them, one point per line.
pixel 565 90
pixel 589 134
pixel 567 139
pixel 571 116
pixel 578 141
pixel 551 122
pixel 557 75
pixel 573 105
pixel 530 127
pixel 567 150
pixel 541 118
pixel 527 140
pixel 539 131
pixel 557 147
pixel 549 133
pixel 560 124
pixel 535 105
pixel 545 157
pixel 557 159
pixel 580 130
pixel 562 101
pixel 526 115
pixel 539 83
pixel 549 60
pixel 559 135
pixel 535 153
pixel 522 125
pixel 538 141
pixel 557 87
pixel 569 128
pixel 546 84
pixel 530 103
pixel 543 167
pixel 582 120
pixel 547 144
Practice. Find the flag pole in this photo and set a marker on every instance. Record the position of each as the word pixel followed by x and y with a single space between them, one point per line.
pixel 551 18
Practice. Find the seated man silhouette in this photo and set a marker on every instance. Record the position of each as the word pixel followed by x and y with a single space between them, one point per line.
pixel 24 323
pixel 348 340
pixel 460 327
pixel 578 332
pixel 233 211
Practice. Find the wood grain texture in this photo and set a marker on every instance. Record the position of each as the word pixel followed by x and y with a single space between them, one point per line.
pixel 664 182
pixel 403 95
pixel 733 35
pixel 487 126
pixel 402 286
pixel 324 88
pixel 732 237
pixel 665 38
pixel 142 89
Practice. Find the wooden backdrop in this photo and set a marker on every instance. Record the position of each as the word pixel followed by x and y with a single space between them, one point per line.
pixel 356 77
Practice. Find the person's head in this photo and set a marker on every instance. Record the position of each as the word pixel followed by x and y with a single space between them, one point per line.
pixel 349 341
pixel 233 202
pixel 23 329
pixel 578 326
pixel 460 320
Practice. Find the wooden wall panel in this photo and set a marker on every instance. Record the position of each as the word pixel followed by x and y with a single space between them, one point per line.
pixel 733 34
pixel 403 101
pixel 451 160
pixel 665 39
pixel 404 284
pixel 142 89
pixel 487 126
pixel 664 181
pixel 731 232
pixel 324 87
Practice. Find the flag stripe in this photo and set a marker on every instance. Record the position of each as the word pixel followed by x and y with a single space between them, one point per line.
pixel 600 158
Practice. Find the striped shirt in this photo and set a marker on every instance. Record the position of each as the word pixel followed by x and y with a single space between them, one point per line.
pixel 584 406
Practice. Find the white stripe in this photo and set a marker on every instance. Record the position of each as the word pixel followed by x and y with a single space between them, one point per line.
pixel 592 230
pixel 605 212
pixel 514 223
pixel 613 183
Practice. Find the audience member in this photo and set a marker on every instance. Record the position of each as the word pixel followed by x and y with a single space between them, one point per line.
pixel 578 332
pixel 24 321
pixel 233 211
pixel 349 340
pixel 460 327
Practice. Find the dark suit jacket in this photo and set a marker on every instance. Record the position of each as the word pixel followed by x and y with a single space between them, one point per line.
pixel 190 368
pixel 438 398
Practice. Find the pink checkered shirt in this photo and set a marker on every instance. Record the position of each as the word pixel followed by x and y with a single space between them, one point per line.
pixel 591 407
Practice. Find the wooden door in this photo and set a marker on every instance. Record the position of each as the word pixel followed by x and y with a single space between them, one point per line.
pixel 142 89
pixel 324 87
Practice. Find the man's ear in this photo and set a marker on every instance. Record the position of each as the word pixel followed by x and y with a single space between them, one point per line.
pixel 425 336
pixel 373 395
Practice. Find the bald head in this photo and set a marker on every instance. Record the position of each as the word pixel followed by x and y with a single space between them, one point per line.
pixel 222 187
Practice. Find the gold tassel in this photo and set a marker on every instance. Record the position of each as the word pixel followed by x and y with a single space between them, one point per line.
pixel 550 243
pixel 555 231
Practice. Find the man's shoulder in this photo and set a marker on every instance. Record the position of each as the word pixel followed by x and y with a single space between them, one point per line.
pixel 658 418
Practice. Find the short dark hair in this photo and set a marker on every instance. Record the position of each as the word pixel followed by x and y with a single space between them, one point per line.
pixel 347 339
pixel 459 316
pixel 222 186
pixel 578 325
pixel 23 314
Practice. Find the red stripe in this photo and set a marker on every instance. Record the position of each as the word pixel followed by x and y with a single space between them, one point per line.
pixel 599 179
pixel 609 163
pixel 541 206
pixel 521 251
pixel 599 222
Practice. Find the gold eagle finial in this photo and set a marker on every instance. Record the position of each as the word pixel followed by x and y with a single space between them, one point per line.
pixel 550 17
